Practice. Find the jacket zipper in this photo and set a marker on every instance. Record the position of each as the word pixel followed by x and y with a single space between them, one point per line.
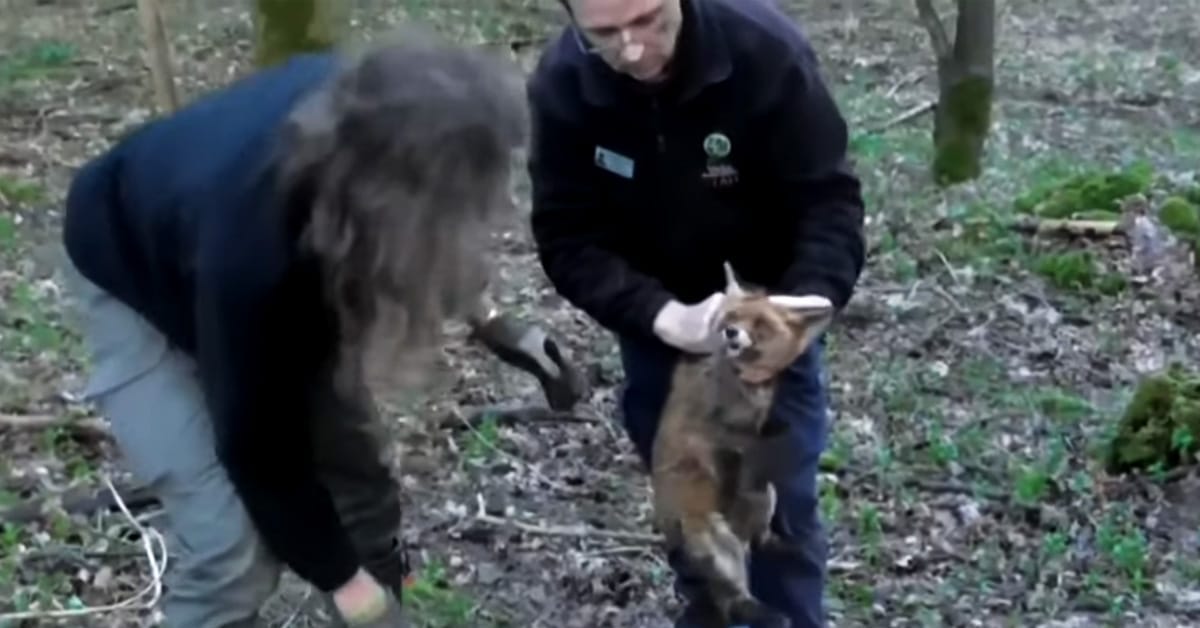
pixel 662 140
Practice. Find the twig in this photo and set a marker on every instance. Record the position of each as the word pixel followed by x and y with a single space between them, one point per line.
pixel 854 474
pixel 299 608
pixel 17 422
pixel 936 29
pixel 77 501
pixel 949 298
pixel 115 8
pixel 577 531
pixel 904 82
pixel 948 265
pixel 149 537
pixel 620 549
pixel 522 415
pixel 911 113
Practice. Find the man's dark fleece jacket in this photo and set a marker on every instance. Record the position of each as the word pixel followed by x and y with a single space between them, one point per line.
pixel 630 210
pixel 181 221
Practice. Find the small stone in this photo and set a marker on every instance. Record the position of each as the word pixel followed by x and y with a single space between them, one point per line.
pixel 487 573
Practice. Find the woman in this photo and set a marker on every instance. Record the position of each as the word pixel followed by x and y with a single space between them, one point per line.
pixel 246 265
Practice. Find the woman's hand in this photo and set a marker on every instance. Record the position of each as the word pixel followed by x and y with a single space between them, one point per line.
pixel 362 599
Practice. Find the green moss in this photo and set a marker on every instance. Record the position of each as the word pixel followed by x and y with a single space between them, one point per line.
pixel 41 59
pixel 1161 425
pixel 1180 216
pixel 962 130
pixel 288 27
pixel 1111 284
pixel 1192 195
pixel 1086 193
pixel 19 192
pixel 1078 271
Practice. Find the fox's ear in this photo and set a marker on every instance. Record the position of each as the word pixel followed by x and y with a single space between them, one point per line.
pixel 807 316
pixel 732 288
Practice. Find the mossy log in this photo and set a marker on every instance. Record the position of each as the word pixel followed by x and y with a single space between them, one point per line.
pixel 1160 427
pixel 1088 194
pixel 288 27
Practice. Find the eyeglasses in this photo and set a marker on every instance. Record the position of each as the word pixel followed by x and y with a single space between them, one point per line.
pixel 610 40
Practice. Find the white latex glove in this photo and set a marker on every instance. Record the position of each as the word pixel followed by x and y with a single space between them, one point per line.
pixel 691 328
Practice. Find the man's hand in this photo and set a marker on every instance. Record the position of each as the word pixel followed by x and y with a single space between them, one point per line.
pixel 528 348
pixel 691 328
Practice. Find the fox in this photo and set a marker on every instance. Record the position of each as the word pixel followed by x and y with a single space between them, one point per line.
pixel 712 453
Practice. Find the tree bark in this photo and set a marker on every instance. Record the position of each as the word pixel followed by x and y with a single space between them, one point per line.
pixel 158 55
pixel 288 27
pixel 966 71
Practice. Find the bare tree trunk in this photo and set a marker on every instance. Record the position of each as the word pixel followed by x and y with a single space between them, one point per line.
pixel 288 27
pixel 158 55
pixel 966 71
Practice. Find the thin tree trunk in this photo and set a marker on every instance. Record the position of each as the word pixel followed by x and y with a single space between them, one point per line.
pixel 966 71
pixel 288 27
pixel 158 55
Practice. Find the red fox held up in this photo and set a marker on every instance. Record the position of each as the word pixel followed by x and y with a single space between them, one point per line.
pixel 712 495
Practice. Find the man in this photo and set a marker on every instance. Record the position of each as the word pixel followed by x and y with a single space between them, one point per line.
pixel 246 266
pixel 669 137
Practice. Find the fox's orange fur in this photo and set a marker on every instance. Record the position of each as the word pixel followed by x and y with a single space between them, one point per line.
pixel 710 497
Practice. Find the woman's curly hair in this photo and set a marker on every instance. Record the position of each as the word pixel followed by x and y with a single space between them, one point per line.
pixel 397 167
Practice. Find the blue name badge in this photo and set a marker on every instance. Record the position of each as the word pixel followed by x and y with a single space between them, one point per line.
pixel 619 165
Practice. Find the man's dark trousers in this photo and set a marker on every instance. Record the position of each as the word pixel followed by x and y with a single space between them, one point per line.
pixel 791 585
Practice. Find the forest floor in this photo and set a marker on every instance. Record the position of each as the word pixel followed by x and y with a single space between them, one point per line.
pixel 975 378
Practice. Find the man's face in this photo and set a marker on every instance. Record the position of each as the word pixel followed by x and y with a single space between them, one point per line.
pixel 636 37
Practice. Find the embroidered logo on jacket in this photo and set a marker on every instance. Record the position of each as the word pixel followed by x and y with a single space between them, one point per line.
pixel 718 173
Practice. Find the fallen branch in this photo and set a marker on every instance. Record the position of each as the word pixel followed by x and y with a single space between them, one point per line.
pixel 946 487
pixel 1063 226
pixel 576 531
pixel 909 114
pixel 158 566
pixel 26 422
pixel 114 8
pixel 905 82
pixel 83 501
pixel 507 417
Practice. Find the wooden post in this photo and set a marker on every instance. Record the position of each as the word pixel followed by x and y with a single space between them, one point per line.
pixel 158 55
